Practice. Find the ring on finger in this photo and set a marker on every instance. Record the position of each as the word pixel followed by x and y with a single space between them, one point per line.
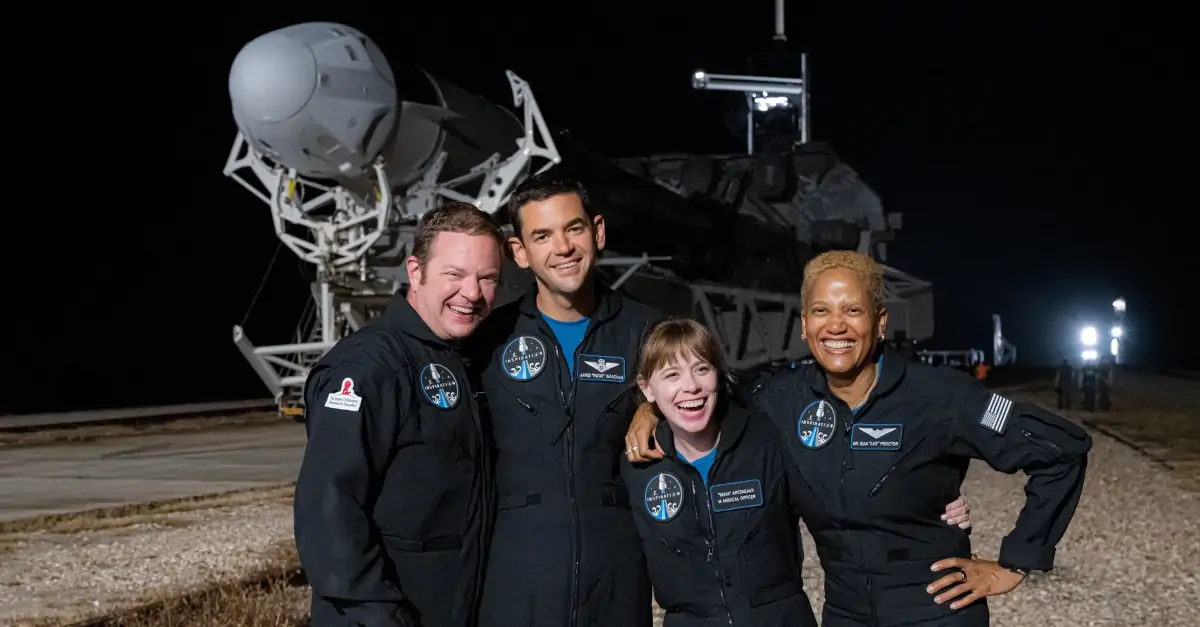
pixel 964 575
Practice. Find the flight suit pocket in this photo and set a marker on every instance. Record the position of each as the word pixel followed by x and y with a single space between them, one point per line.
pixel 612 422
pixel 672 571
pixel 426 570
pixel 915 449
pixel 517 501
pixel 764 552
pixel 515 417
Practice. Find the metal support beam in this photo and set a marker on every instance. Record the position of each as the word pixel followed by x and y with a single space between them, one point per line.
pixel 754 327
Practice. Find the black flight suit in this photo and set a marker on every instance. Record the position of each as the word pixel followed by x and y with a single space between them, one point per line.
pixel 394 500
pixel 885 474
pixel 565 552
pixel 729 553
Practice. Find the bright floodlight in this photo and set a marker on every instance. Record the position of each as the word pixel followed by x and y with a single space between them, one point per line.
pixel 1114 346
pixel 1088 336
pixel 1119 305
pixel 1090 354
pixel 1117 332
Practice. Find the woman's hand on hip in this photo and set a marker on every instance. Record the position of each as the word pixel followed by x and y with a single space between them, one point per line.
pixel 974 578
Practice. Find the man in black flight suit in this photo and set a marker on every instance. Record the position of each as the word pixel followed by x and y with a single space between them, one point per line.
pixel 394 497
pixel 565 552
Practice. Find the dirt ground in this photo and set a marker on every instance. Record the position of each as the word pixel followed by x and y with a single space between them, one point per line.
pixel 1159 417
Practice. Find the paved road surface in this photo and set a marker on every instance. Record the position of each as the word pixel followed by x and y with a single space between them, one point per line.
pixel 26 421
pixel 42 480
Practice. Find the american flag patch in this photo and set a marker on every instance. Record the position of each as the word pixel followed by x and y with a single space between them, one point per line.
pixel 995 417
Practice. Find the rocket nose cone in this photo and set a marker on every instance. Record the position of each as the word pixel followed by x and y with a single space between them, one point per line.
pixel 272 78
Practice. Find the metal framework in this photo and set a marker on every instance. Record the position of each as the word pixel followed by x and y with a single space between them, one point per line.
pixel 349 238
pixel 965 358
pixel 763 93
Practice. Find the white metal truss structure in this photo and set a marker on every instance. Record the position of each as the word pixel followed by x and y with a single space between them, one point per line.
pixel 344 235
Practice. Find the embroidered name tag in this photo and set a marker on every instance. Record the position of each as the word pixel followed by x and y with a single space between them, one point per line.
pixel 876 437
pixel 737 495
pixel 604 368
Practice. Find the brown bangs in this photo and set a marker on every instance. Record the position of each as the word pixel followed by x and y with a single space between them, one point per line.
pixel 674 338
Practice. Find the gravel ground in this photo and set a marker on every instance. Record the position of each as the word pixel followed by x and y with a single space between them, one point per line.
pixel 1131 556
pixel 93 573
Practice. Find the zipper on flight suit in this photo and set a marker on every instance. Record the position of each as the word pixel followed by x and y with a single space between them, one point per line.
pixel 853 419
pixel 568 404
pixel 710 536
pixel 1043 442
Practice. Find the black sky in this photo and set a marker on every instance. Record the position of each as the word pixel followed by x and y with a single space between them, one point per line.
pixel 1035 152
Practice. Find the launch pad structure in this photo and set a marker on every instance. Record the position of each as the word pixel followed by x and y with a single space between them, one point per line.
pixel 346 169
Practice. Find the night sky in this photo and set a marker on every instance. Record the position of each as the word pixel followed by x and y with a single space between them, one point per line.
pixel 1034 152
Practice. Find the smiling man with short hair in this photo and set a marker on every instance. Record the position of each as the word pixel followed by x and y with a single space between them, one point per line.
pixel 565 551
pixel 394 500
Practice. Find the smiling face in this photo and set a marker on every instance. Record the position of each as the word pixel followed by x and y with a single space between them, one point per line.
pixel 681 370
pixel 558 242
pixel 840 321
pixel 685 390
pixel 454 290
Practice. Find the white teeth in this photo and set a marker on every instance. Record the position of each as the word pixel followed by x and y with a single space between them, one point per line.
pixel 695 404
pixel 838 344
pixel 466 311
pixel 567 266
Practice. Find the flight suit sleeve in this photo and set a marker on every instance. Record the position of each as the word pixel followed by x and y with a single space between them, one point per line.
pixel 1051 450
pixel 352 413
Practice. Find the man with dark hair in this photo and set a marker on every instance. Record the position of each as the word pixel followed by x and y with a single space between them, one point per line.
pixel 394 500
pixel 565 551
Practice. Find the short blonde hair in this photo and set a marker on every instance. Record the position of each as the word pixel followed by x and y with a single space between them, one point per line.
pixel 869 273
pixel 672 338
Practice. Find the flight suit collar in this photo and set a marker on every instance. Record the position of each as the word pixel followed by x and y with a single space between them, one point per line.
pixel 608 303
pixel 891 372
pixel 731 416
pixel 401 315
